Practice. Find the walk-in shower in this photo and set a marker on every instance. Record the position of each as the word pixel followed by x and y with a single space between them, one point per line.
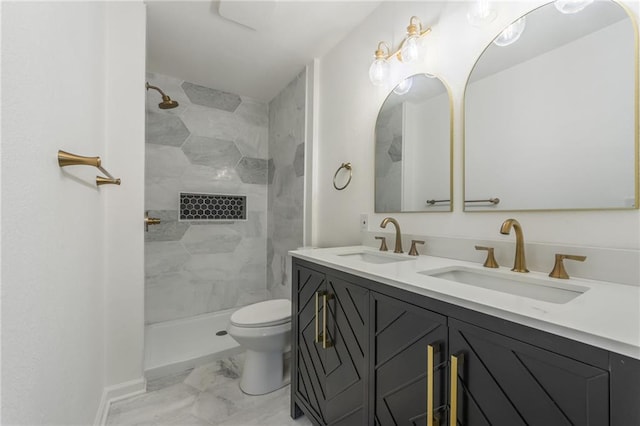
pixel 224 173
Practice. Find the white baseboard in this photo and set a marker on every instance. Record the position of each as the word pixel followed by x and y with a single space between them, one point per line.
pixel 115 393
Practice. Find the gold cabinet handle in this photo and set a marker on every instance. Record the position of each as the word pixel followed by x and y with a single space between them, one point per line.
pixel 453 413
pixel 317 339
pixel 430 388
pixel 326 343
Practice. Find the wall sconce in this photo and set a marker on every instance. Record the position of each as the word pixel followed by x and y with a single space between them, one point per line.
pixel 408 52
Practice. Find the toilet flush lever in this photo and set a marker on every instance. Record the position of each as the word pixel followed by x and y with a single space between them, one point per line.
pixel 150 221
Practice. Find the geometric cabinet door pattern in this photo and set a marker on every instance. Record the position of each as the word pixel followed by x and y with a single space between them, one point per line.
pixel 402 334
pixel 502 381
pixel 365 358
pixel 308 384
pixel 330 378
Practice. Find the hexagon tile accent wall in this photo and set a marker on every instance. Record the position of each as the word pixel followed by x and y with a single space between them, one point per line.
pixel 212 98
pixel 165 129
pixel 198 148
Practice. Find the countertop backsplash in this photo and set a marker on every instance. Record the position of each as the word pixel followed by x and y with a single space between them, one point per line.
pixel 603 264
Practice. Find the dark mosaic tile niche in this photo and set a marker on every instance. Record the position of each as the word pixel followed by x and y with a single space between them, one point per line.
pixel 208 207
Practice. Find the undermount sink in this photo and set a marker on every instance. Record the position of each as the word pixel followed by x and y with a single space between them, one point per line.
pixel 517 284
pixel 379 258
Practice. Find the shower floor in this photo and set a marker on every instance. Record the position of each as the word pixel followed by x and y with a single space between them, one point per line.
pixel 178 345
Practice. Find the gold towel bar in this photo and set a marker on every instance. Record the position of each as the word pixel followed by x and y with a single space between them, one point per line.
pixel 68 159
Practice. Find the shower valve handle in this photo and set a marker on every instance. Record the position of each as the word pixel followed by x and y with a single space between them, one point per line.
pixel 150 221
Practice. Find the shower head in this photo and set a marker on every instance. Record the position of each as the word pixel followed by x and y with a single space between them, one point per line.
pixel 167 102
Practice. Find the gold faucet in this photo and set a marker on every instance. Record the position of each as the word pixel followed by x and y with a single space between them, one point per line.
pixel 386 220
pixel 519 263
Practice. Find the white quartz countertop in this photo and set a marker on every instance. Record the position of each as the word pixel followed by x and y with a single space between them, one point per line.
pixel 607 315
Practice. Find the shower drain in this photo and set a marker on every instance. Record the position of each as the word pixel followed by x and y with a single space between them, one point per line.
pixel 221 333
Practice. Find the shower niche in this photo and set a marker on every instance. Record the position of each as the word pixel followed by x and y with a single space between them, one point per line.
pixel 212 207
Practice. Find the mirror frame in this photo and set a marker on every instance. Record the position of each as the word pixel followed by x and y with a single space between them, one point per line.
pixel 451 138
pixel 636 78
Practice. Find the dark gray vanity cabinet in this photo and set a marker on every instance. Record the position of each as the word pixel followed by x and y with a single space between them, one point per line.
pixel 330 348
pixel 503 381
pixel 409 364
pixel 393 357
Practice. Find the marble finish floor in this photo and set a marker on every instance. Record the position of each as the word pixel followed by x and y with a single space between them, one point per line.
pixel 208 395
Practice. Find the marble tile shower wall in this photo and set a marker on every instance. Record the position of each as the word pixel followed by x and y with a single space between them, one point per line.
pixel 214 142
pixel 286 188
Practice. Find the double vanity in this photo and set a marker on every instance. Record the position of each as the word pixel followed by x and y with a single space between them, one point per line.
pixel 381 338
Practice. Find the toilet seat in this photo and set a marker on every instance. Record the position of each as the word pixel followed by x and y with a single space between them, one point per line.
pixel 263 314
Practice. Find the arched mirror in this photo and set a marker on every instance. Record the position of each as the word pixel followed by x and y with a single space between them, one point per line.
pixel 413 138
pixel 551 115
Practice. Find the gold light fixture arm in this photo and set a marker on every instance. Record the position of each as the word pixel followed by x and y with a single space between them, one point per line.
pixel 68 159
pixel 414 28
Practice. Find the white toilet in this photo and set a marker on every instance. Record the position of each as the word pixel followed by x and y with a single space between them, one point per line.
pixel 264 330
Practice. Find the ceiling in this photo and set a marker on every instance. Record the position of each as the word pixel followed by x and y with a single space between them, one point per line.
pixel 203 42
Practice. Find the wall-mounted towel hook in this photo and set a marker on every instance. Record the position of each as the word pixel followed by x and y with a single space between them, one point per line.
pixel 69 159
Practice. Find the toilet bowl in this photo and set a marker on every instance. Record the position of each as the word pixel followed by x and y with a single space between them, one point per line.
pixel 264 330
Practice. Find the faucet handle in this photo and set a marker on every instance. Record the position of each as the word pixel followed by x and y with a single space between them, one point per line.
pixel 558 268
pixel 383 243
pixel 413 251
pixel 490 262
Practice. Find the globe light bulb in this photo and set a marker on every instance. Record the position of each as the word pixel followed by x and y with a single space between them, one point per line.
pixel 379 72
pixel 410 49
pixel 571 6
pixel 511 34
pixel 404 86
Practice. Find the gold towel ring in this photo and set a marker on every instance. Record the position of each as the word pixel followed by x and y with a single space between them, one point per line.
pixel 346 166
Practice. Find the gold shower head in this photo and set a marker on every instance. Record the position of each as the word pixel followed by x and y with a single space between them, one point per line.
pixel 167 102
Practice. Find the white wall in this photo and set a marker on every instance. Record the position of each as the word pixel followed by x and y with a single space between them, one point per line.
pixel 124 236
pixel 63 254
pixel 349 105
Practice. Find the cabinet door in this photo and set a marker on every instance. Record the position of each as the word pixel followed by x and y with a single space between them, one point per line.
pixel 307 372
pixel 330 348
pixel 402 335
pixel 345 360
pixel 502 381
